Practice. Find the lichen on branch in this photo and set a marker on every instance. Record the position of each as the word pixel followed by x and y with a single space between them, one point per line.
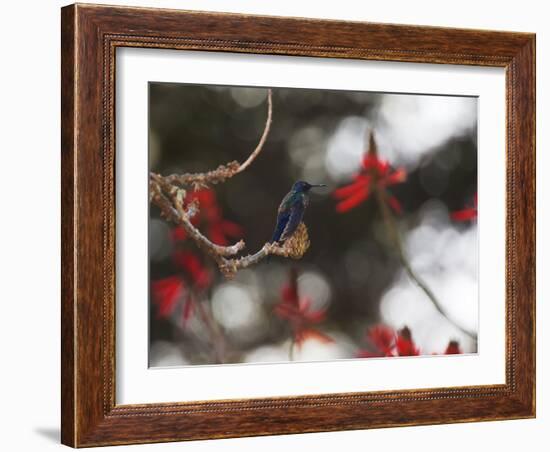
pixel 294 248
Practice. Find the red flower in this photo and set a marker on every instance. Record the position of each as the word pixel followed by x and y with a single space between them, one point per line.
pixel 169 292
pixel 199 275
pixel 383 339
pixel 466 214
pixel 217 228
pixel 297 311
pixel 219 231
pixel 179 234
pixel 353 194
pixel 387 342
pixel 375 174
pixel 395 204
pixel 404 344
pixel 210 216
pixel 166 292
pixel 194 276
pixel 453 348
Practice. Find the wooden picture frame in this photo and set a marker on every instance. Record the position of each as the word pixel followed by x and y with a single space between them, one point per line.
pixel 90 36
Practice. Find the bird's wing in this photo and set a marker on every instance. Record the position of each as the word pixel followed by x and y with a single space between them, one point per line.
pixel 286 203
pixel 282 220
pixel 283 214
pixel 294 219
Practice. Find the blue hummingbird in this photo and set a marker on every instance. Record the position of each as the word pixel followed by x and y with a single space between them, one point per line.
pixel 291 210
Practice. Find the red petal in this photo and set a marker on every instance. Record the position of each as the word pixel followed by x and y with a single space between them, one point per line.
pixel 192 265
pixel 453 348
pixel 216 235
pixel 186 260
pixel 398 176
pixel 213 214
pixel 231 229
pixel 179 234
pixel 285 310
pixel 405 345
pixel 348 190
pixel 179 258
pixel 395 204
pixel 166 293
pixel 195 220
pixel 383 167
pixel 304 303
pixel 353 201
pixel 208 207
pixel 315 316
pixel 289 294
pixel 370 161
pixel 206 197
pixel 464 215
pixel 188 309
pixel 383 338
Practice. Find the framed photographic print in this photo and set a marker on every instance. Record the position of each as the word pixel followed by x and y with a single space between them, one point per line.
pixel 282 225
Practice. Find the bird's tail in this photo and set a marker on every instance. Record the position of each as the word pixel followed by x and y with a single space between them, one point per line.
pixel 275 237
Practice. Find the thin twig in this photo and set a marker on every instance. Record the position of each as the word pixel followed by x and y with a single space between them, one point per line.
pixel 228 170
pixel 263 138
pixel 391 228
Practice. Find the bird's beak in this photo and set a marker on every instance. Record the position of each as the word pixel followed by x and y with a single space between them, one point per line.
pixel 318 185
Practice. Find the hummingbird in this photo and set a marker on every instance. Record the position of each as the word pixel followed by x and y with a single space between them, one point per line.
pixel 291 210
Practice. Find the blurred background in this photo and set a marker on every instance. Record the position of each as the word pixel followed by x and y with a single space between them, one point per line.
pixel 352 296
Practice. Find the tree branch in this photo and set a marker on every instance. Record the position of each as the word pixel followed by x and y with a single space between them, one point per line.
pixel 167 193
pixel 263 138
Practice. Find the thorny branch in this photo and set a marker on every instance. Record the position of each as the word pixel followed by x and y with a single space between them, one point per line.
pixel 168 194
